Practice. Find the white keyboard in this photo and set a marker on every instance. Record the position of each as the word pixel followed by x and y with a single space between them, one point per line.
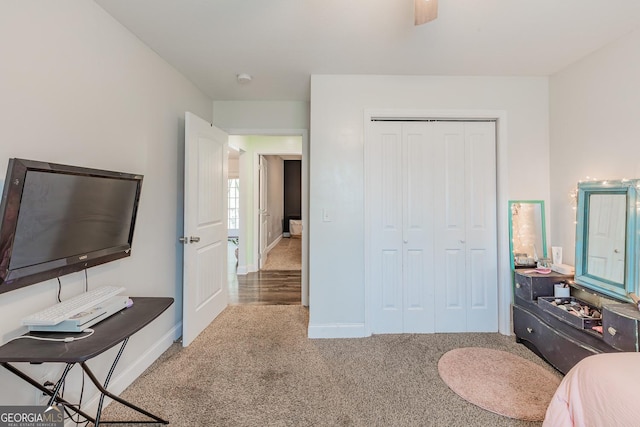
pixel 65 309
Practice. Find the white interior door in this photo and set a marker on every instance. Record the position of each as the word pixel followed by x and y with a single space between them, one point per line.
pixel 400 191
pixel 466 255
pixel 205 292
pixel 431 226
pixel 450 233
pixel 384 205
pixel 418 217
pixel 263 211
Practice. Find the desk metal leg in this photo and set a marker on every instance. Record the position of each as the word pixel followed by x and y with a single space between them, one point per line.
pixel 104 392
pixel 106 381
pixel 46 391
pixel 56 390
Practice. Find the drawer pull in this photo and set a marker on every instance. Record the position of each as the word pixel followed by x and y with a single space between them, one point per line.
pixel 530 330
pixel 612 331
pixel 518 285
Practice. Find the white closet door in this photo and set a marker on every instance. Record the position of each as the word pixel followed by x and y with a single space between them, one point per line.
pixel 450 235
pixel 482 233
pixel 466 246
pixel 384 195
pixel 418 218
pixel 431 206
pixel 400 192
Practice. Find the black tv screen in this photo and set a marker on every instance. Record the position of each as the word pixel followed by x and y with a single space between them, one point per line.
pixel 58 219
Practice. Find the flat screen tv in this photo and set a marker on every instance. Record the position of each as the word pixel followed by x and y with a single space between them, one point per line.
pixel 57 219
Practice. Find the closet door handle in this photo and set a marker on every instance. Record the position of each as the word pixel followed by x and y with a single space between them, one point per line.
pixel 462 241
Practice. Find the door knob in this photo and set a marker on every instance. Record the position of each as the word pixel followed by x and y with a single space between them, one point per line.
pixel 462 241
pixel 183 240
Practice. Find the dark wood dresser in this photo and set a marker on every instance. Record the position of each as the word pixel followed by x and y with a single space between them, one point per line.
pixel 561 339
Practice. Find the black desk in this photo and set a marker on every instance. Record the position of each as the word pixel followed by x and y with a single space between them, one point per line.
pixel 108 333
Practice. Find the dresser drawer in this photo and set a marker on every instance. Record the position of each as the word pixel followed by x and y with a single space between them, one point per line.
pixel 560 350
pixel 620 326
pixel 530 286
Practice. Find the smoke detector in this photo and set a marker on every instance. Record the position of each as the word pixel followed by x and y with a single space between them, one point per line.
pixel 243 78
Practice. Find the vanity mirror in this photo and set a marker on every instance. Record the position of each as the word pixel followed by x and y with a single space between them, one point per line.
pixel 607 237
pixel 527 234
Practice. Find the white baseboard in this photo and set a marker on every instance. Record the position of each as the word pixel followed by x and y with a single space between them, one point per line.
pixel 337 330
pixel 133 371
pixel 273 245
pixel 246 269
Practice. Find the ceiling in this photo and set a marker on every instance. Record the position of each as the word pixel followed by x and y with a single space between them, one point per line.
pixel 281 43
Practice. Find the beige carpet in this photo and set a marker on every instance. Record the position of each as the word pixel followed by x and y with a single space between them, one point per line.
pixel 499 382
pixel 254 366
pixel 286 255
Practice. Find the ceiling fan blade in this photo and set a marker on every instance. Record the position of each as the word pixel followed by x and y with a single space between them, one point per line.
pixel 425 11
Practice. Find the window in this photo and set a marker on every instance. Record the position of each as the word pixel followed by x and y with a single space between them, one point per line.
pixel 234 204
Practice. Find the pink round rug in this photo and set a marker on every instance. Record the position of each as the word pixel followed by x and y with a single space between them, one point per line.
pixel 499 382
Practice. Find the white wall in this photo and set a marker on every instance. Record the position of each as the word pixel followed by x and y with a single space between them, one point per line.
pixel 594 123
pixel 77 88
pixel 262 115
pixel 338 103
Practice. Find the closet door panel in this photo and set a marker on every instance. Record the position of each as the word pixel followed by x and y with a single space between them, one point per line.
pixel 418 161
pixel 384 199
pixel 391 284
pixel 479 288
pixel 481 230
pixel 390 185
pixel 449 225
pixel 453 284
pixel 413 276
pixel 452 178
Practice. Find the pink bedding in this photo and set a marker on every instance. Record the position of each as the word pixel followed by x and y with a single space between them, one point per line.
pixel 600 391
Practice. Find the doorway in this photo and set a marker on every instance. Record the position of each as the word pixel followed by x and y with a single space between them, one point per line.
pixel 263 226
pixel 279 213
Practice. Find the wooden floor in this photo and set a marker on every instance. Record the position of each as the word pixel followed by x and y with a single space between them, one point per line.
pixel 266 288
pixel 276 287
